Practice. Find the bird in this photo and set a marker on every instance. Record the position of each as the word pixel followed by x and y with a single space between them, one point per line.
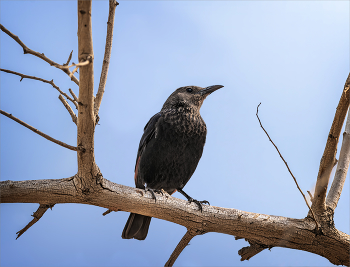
pixel 169 151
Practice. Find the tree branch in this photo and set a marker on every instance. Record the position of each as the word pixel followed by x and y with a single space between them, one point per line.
pixel 180 247
pixel 27 50
pixel 328 158
pixel 342 168
pixel 23 76
pixel 38 132
pixel 295 180
pixel 37 215
pixel 268 230
pixel 69 109
pixel 87 168
pixel 69 59
pixel 108 49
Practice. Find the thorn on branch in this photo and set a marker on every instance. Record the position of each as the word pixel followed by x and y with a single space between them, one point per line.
pixel 295 180
pixel 37 215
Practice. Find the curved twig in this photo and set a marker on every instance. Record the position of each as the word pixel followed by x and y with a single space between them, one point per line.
pixel 69 109
pixel 38 132
pixel 27 50
pixel 23 76
pixel 295 180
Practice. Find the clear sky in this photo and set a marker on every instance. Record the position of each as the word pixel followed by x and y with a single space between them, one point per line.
pixel 293 56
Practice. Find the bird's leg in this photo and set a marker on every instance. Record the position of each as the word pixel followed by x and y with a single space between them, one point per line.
pixel 199 203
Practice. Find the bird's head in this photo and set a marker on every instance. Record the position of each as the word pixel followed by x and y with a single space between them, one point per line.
pixel 189 97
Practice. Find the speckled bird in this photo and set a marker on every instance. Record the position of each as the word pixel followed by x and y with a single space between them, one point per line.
pixel 169 151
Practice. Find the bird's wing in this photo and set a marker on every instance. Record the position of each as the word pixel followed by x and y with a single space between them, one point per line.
pixel 148 134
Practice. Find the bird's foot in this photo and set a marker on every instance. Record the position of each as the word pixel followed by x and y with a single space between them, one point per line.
pixel 199 203
pixel 153 191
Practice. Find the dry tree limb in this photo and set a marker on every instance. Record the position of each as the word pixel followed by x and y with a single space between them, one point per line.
pixel 328 157
pixel 295 180
pixel 27 50
pixel 180 247
pixel 247 252
pixel 38 132
pixel 108 49
pixel 23 76
pixel 342 168
pixel 69 109
pixel 37 215
pixel 107 212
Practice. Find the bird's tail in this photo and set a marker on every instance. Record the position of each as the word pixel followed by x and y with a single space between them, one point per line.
pixel 136 227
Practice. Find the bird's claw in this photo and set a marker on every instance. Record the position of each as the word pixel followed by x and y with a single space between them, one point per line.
pixel 152 191
pixel 199 203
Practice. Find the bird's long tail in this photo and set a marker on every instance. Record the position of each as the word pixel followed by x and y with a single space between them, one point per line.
pixel 136 227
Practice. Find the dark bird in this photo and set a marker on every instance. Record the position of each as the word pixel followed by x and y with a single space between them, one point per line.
pixel 169 151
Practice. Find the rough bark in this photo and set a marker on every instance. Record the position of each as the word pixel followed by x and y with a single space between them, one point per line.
pixel 267 230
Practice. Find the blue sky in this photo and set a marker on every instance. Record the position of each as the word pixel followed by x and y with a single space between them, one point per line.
pixel 293 56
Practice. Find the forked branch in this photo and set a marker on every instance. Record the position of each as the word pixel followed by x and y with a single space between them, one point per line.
pixel 37 215
pixel 108 49
pixel 295 180
pixel 38 132
pixel 23 76
pixel 342 168
pixel 27 50
pixel 328 158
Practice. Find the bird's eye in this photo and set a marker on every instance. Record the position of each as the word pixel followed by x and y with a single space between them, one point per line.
pixel 189 89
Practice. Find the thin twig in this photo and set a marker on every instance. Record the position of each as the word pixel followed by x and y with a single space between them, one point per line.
pixel 108 49
pixel 37 215
pixel 295 180
pixel 69 109
pixel 38 132
pixel 73 95
pixel 23 76
pixel 310 195
pixel 106 212
pixel 69 58
pixel 180 247
pixel 27 50
pixel 80 64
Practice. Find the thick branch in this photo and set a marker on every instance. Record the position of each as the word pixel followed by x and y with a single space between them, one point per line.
pixel 328 158
pixel 69 109
pixel 38 132
pixel 27 50
pixel 108 49
pixel 269 230
pixel 37 215
pixel 23 76
pixel 87 168
pixel 342 168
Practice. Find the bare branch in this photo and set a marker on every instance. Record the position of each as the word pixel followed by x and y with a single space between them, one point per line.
pixel 69 59
pixel 27 50
pixel 37 215
pixel 106 212
pixel 342 168
pixel 74 96
pixel 328 157
pixel 108 49
pixel 69 109
pixel 23 76
pixel 84 63
pixel 295 180
pixel 269 230
pixel 180 247
pixel 38 132
pixel 247 252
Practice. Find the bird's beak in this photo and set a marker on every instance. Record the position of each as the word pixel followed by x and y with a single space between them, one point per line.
pixel 208 90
